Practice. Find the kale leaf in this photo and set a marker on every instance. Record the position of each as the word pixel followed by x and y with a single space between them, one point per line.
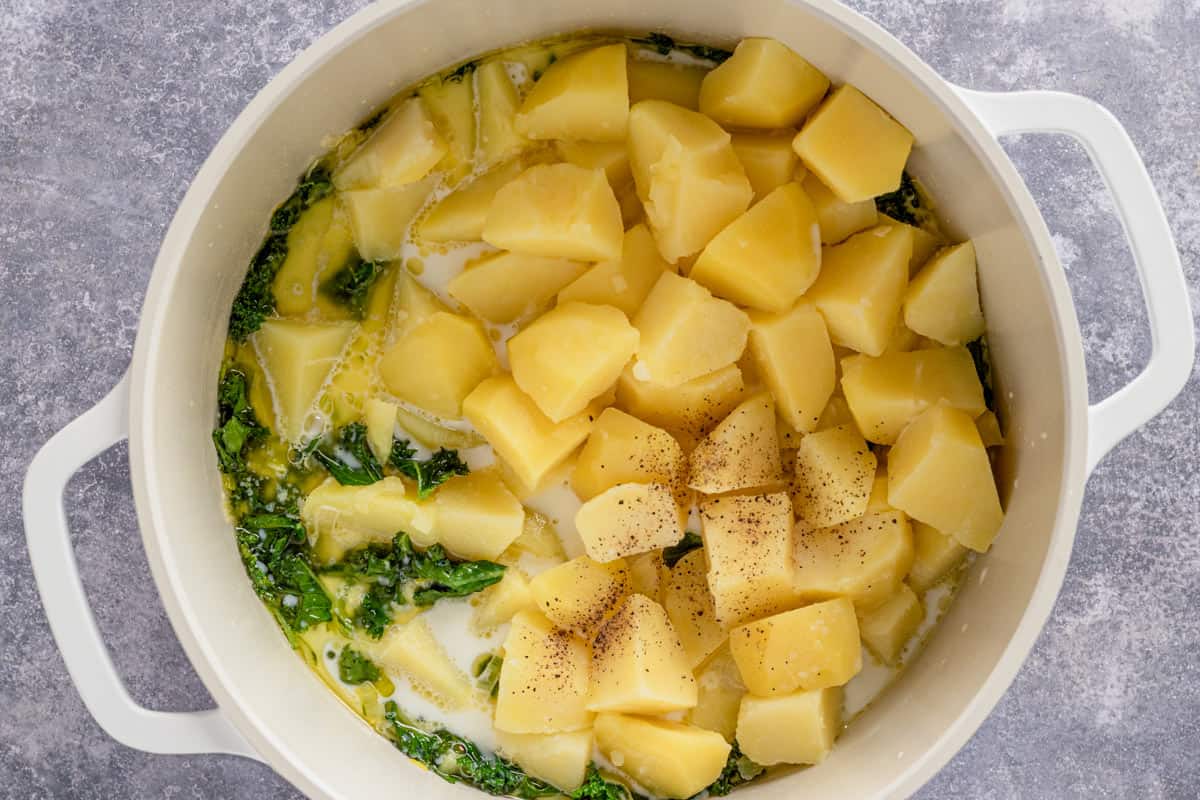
pixel 738 770
pixel 978 348
pixel 351 463
pixel 596 787
pixel 238 427
pixel 351 285
pixel 689 542
pixel 904 204
pixel 461 72
pixel 663 44
pixel 355 668
pixel 429 473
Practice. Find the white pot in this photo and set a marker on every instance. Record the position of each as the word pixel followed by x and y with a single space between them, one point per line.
pixel 270 705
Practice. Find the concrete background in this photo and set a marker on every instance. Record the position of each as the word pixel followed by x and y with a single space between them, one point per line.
pixel 108 108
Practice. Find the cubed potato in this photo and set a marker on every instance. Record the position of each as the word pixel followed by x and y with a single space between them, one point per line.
pixel 319 241
pixel 903 340
pixel 659 80
pixel 794 358
pixel 544 680
pixel 935 555
pixel 612 157
pixel 580 595
pixel 686 332
pixel 519 432
pixel 500 602
pixel 669 759
pixel 767 158
pixel 625 282
pixel 692 408
pixel 584 96
pixel 886 630
pixel 834 473
pixel 297 358
pixel 878 500
pixel 638 663
pixel 688 177
pixel 433 433
pixel 807 648
pixel 942 302
pixel 925 244
pixel 689 604
pixel 740 453
pixel 860 289
pixel 632 211
pixel 476 516
pixel 570 356
pixel 559 759
pixel 838 219
pixel 764 84
pixel 498 104
pixel 939 473
pixel 539 538
pixel 623 449
pixel 767 257
pixel 836 413
pixel 863 560
pixel 414 305
pixel 646 574
pixel 380 217
pixel 402 150
pixel 812 720
pixel 719 694
pixel 628 519
pixel 854 146
pixel 438 363
pixel 507 287
pixel 354 379
pixel 748 543
pixel 450 103
pixel 460 215
pixel 885 394
pixel 345 517
pixel 380 419
pixel 989 429
pixel 557 210
pixel 412 649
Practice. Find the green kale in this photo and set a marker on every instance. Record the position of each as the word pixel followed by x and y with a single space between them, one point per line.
pixel 351 463
pixel 486 671
pixel 596 787
pixel 238 427
pixel 351 285
pixel 689 542
pixel 983 367
pixel 664 45
pixel 355 668
pixel 738 770
pixel 429 473
pixel 904 204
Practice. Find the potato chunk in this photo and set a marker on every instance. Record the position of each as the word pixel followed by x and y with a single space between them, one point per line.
pixel 438 363
pixel 887 393
pixel 345 517
pixel 560 759
pixel 989 429
pixel 861 287
pixel 935 555
pixel 571 355
pixel 838 219
pixel 544 681
pixel 688 177
pixel 476 516
pixel 794 357
pixel 403 149
pixel 584 96
pixel 812 720
pixel 498 103
pixel 740 453
pixel 767 158
pixel 646 574
pixel 628 519
pixel 557 210
pixel 658 80
pixel 807 648
pixel 669 759
pixel 612 157
pixel 380 419
pixel 886 630
pixel 942 302
pixel 764 84
pixel 689 604
pixel 412 649
pixel 638 664
pixel 528 441
pixel 581 594
pixel 298 358
pixel 380 217
pixel 767 257
pixel 853 146
pixel 500 602
pixel 460 215
pixel 692 408
pixel 864 559
pixel 925 244
pixel 507 287
pixel 686 332
pixel 450 103
pixel 720 693
pixel 834 473
pixel 624 282
pixel 414 305
pixel 939 473
pixel 623 449
pixel 748 543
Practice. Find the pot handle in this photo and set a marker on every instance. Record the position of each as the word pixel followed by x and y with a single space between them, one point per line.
pixel 71 620
pixel 1173 340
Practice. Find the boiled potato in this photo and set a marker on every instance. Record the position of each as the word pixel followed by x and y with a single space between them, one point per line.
pixel 812 720
pixel 460 215
pixel 476 516
pixel 646 574
pixel 624 282
pixel 689 604
pixel 638 663
pixel 767 158
pixel 557 210
pixel 767 257
pixel 438 363
pixel 414 304
pixel 544 680
pixel 570 356
pixel 502 601
pixel 435 434
pixel 402 150
pixel 539 538
pixel 887 393
pixel 764 84
pixel 612 157
pixel 628 519
pixel 669 759
pixel 942 302
pixel 560 759
pixel 886 630
pixel 839 219
pixel 686 332
pixel 719 694
pixel 380 217
pixel 623 449
pixel 902 340
pixel 692 408
pixel 311 248
pixel 853 146
pixel 878 500
pixel 863 560
pixel 380 418
pixel 935 555
pixel 860 289
pixel 659 80
pixel 740 453
pixel 498 103
pixel 925 244
pixel 580 595
pixel 583 96
pixel 345 517
pixel 297 358
pixel 989 429
pixel 687 175
pixel 450 102
pixel 807 648
pixel 794 357
pixel 412 649
pixel 507 287
pixel 748 543
pixel 835 471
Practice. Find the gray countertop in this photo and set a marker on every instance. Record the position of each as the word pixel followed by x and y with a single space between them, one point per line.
pixel 108 108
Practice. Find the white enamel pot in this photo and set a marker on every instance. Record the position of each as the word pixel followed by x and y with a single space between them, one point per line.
pixel 272 708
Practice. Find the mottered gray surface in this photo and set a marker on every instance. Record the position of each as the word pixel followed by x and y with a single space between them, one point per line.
pixel 108 108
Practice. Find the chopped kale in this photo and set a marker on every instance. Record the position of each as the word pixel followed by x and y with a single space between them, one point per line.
pixel 597 787
pixel 355 668
pixel 904 204
pixel 663 44
pixel 351 462
pixel 738 770
pixel 983 367
pixel 689 542
pixel 237 425
pixel 351 285
pixel 429 473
